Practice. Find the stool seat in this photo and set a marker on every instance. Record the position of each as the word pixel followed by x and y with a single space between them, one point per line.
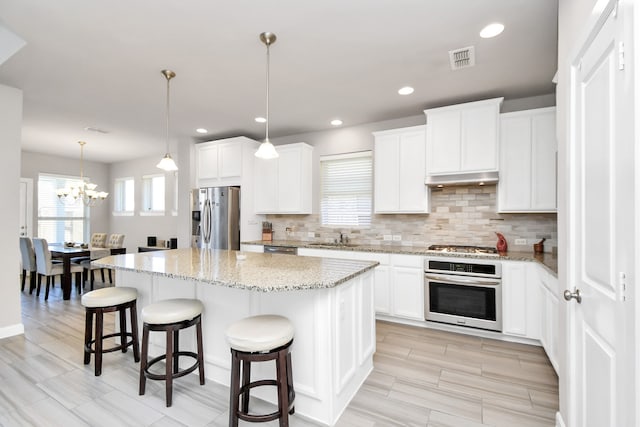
pixel 107 297
pixel 172 311
pixel 260 333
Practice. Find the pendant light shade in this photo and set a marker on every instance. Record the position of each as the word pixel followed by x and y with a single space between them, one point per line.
pixel 266 149
pixel 167 163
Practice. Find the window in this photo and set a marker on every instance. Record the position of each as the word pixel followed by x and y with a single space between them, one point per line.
pixel 346 189
pixel 123 197
pixel 152 195
pixel 57 221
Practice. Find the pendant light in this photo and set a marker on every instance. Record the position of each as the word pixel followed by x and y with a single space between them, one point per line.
pixel 167 163
pixel 266 149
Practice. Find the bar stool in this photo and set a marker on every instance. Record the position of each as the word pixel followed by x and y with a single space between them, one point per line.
pixel 108 300
pixel 171 316
pixel 258 339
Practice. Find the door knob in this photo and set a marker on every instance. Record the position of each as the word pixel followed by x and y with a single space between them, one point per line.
pixel 568 295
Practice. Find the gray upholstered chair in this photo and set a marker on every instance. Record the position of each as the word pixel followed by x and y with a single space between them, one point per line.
pixel 28 263
pixel 45 267
pixel 115 241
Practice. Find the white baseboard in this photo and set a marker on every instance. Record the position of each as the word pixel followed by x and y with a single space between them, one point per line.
pixel 559 420
pixel 9 331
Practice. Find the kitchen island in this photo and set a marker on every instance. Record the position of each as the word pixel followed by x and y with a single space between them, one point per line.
pixel 329 301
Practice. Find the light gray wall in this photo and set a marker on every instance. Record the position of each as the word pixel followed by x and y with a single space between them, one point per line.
pixel 136 228
pixel 33 164
pixel 359 138
pixel 10 132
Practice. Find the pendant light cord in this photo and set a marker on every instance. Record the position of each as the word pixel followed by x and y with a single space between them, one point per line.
pixel 168 111
pixel 267 123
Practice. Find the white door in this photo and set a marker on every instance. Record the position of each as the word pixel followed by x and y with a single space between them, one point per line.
pixel 26 207
pixel 600 227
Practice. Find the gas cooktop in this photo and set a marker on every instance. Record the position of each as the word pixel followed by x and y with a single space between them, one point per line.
pixel 485 250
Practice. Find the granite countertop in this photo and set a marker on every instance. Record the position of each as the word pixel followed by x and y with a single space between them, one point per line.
pixel 548 260
pixel 257 272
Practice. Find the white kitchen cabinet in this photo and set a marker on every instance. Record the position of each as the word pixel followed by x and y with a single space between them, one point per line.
pixel 407 284
pixel 251 248
pixel 520 299
pixel 398 280
pixel 399 171
pixel 550 306
pixel 283 185
pixel 528 149
pixel 463 138
pixel 220 162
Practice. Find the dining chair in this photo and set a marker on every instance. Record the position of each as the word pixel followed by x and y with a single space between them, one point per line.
pixel 115 241
pixel 45 267
pixel 98 240
pixel 28 263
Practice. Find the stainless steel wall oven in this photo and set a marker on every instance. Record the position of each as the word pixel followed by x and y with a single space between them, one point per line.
pixel 464 292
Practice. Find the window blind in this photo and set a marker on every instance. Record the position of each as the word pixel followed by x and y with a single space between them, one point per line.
pixel 346 190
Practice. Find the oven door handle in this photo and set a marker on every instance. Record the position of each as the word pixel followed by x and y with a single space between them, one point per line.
pixel 457 280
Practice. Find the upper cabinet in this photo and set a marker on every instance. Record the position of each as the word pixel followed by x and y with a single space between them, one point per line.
pixel 400 168
pixel 528 149
pixel 221 162
pixel 463 138
pixel 283 184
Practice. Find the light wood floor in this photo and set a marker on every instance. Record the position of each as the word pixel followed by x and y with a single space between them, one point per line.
pixel 422 377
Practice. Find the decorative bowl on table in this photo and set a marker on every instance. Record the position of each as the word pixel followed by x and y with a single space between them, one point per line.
pixel 69 244
pixel 84 246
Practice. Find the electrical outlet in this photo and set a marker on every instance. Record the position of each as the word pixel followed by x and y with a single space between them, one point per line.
pixel 311 234
pixel 521 241
pixel 387 237
pixel 397 237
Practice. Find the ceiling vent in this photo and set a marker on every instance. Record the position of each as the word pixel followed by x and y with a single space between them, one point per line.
pixel 462 58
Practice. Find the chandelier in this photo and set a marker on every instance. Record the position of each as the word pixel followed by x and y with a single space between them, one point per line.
pixel 86 191
pixel 266 149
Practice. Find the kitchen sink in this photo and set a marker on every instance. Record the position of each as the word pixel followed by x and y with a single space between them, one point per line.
pixel 334 245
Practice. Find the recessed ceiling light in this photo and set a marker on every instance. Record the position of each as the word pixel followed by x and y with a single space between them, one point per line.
pixel 201 130
pixel 491 30
pixel 407 90
pixel 336 122
pixel 260 120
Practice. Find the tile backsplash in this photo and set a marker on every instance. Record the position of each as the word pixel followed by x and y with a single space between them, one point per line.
pixel 463 215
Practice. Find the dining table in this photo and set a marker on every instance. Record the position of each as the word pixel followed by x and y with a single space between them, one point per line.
pixel 67 253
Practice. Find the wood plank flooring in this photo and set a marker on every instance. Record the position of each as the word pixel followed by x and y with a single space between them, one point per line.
pixel 421 377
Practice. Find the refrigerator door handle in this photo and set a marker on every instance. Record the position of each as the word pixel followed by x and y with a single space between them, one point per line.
pixel 206 222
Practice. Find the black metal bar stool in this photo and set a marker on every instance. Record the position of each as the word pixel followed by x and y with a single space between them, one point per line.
pixel 259 339
pixel 103 301
pixel 171 316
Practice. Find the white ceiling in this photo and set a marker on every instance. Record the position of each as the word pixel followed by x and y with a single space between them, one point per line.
pixel 97 64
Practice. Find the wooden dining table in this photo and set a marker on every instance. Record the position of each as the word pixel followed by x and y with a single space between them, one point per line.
pixel 66 253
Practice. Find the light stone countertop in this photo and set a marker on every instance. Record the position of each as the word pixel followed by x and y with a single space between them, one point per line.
pixel 548 260
pixel 258 272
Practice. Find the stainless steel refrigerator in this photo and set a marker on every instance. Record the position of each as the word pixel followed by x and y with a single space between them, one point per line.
pixel 215 218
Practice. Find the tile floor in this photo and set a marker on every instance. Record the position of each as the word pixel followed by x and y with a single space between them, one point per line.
pixel 422 377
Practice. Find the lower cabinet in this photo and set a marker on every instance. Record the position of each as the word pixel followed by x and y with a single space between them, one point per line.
pixel 550 305
pixel 521 299
pixel 399 280
pixel 251 248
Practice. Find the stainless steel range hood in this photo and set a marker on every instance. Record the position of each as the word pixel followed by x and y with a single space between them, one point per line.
pixel 466 178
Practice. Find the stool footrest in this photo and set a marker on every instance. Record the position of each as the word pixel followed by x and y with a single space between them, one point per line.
pixel 178 374
pixel 90 349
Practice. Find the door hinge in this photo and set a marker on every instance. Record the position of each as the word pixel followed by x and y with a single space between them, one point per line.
pixel 622 283
pixel 621 56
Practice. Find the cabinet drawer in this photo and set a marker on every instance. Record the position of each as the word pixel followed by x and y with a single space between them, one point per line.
pixel 416 261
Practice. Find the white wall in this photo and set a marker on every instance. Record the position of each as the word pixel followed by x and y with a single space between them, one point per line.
pixel 33 164
pixel 136 228
pixel 10 135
